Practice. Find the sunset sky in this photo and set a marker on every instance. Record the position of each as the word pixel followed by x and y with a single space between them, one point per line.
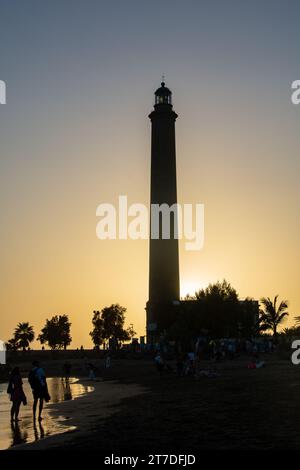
pixel 75 132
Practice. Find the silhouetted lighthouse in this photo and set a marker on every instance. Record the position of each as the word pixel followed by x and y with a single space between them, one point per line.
pixel 164 258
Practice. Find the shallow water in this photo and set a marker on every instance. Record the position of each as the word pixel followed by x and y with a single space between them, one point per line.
pixel 26 430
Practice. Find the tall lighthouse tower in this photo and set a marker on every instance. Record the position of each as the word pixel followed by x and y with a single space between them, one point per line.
pixel 164 258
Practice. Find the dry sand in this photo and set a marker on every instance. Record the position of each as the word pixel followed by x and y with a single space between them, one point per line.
pixel 84 412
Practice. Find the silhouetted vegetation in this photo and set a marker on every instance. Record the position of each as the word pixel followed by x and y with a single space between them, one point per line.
pixel 108 326
pixel 215 311
pixel 220 292
pixel 23 336
pixel 272 315
pixel 56 332
pixel 291 332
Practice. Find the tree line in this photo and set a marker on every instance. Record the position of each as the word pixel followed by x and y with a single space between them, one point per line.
pixel 108 327
pixel 215 311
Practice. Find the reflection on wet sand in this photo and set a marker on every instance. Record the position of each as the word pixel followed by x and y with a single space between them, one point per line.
pixel 62 392
pixel 27 430
pixel 39 431
pixel 18 435
pixel 67 389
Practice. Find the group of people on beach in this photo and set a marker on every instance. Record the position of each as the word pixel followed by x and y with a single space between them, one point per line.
pixel 191 363
pixel 188 364
pixel 38 384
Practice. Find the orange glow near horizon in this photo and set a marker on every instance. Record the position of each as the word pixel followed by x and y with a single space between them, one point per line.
pixel 54 264
pixel 75 133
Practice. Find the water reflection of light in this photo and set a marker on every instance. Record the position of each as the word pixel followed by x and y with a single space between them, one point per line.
pixel 39 431
pixel 18 435
pixel 26 430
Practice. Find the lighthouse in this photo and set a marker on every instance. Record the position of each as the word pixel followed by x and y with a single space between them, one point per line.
pixel 163 252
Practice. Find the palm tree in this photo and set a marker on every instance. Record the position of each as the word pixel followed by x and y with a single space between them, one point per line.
pixel 12 344
pixel 272 315
pixel 24 335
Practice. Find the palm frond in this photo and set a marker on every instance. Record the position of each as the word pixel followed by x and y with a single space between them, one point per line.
pixel 283 306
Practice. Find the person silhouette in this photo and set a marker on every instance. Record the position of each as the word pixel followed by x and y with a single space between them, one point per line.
pixel 38 383
pixel 16 392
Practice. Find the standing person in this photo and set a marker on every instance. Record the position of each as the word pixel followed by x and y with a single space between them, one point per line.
pixel 92 371
pixel 191 359
pixel 159 362
pixel 67 367
pixel 107 361
pixel 16 392
pixel 230 350
pixel 38 383
pixel 212 348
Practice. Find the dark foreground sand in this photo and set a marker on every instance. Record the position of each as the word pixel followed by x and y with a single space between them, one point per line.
pixel 135 410
pixel 84 412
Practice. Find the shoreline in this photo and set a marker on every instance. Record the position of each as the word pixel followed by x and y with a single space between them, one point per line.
pixel 85 412
pixel 135 409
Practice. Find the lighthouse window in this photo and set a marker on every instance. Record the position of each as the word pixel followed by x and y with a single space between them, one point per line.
pixel 166 99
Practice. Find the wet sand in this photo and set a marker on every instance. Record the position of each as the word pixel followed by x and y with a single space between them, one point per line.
pixel 26 430
pixel 81 416
pixel 239 409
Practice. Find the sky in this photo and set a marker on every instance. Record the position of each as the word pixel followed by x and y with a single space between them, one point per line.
pixel 80 77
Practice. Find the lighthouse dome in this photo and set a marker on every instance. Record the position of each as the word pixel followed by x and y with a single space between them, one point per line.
pixel 163 95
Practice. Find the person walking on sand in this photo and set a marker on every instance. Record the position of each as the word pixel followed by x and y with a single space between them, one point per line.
pixel 16 392
pixel 38 383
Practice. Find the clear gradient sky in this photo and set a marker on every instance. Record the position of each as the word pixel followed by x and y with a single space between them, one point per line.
pixel 80 78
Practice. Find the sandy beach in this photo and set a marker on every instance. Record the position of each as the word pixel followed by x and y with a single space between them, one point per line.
pixel 84 412
pixel 134 409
